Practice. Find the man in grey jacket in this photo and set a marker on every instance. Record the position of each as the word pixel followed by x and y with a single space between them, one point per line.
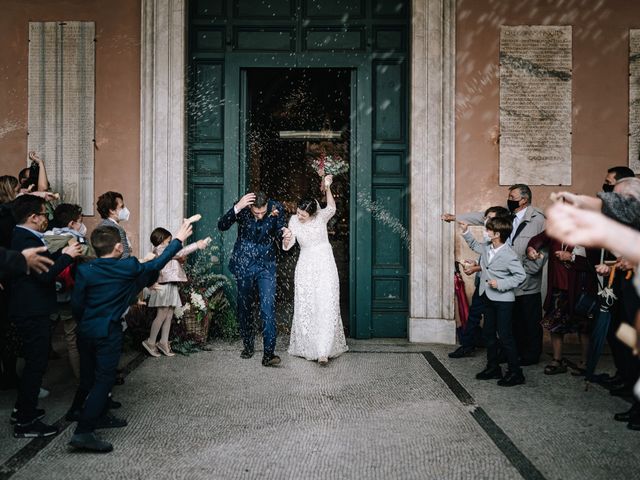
pixel 528 222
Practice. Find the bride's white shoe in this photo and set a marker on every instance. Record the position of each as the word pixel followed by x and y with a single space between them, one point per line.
pixel 323 361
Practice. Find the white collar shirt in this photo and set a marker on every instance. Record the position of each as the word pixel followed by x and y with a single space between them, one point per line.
pixel 492 252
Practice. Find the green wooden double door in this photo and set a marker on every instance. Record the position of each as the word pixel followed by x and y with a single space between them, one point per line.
pixel 347 60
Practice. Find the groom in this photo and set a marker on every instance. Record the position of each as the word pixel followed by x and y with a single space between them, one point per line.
pixel 253 263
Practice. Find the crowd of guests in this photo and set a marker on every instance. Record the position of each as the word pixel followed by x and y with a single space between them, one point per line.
pixel 589 246
pixel 50 272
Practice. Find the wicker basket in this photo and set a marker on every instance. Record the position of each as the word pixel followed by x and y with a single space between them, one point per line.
pixel 198 330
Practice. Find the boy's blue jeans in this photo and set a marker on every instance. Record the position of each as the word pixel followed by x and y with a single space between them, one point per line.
pixel 98 364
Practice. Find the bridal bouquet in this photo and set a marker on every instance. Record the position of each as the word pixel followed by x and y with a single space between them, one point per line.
pixel 329 165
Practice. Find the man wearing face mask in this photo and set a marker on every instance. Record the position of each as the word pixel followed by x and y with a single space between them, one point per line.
pixel 528 222
pixel 32 299
pixel 615 174
pixel 113 212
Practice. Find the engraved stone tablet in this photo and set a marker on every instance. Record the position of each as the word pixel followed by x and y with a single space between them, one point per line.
pixel 535 105
pixel 61 106
pixel 634 100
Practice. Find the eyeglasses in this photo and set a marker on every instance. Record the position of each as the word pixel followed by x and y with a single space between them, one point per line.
pixel 44 214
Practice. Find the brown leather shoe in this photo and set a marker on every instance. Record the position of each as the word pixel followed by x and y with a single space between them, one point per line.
pixel 270 360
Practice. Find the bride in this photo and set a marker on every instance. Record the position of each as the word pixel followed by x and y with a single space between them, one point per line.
pixel 316 332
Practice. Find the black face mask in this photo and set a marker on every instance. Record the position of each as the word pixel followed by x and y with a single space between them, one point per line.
pixel 607 187
pixel 513 205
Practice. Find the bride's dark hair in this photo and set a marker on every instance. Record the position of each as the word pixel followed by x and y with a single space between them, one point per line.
pixel 309 205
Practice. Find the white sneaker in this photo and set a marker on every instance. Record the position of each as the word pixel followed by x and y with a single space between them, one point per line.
pixel 44 393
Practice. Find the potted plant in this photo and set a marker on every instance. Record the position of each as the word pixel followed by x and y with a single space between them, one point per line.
pixel 204 297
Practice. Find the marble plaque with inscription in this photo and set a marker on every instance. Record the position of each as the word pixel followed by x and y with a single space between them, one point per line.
pixel 535 105
pixel 634 100
pixel 61 106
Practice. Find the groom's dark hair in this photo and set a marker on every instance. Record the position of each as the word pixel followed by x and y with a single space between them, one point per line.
pixel 261 200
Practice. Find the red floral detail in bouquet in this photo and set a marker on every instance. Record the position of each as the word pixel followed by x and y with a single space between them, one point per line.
pixel 329 165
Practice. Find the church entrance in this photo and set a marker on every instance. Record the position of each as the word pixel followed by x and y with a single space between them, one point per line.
pixel 297 125
pixel 277 88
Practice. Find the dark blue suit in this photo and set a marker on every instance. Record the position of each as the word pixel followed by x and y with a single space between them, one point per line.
pixel 253 263
pixel 32 298
pixel 104 289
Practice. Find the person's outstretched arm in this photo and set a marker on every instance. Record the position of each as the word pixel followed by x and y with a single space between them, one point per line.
pixel 330 210
pixel 228 219
pixel 471 218
pixel 43 181
pixel 474 245
pixel 328 181
pixel 591 229
pixel 172 249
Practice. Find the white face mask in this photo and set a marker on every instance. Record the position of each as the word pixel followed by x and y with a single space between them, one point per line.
pixel 123 215
pixel 485 236
pixel 82 230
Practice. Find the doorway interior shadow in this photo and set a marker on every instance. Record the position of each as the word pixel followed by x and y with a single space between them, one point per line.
pixel 297 120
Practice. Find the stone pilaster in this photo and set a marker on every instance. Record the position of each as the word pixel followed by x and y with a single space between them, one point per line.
pixel 162 142
pixel 432 171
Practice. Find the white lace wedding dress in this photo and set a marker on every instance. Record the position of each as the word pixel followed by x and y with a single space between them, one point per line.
pixel 317 329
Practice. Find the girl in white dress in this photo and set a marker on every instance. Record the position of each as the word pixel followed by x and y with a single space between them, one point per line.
pixel 317 332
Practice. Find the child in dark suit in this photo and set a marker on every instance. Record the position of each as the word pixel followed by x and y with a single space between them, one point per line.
pixel 32 299
pixel 104 289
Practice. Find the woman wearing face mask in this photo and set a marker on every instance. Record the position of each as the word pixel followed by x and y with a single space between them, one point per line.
pixel 113 212
pixel 316 332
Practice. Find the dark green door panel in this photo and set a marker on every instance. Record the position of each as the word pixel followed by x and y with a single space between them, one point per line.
pixel 390 200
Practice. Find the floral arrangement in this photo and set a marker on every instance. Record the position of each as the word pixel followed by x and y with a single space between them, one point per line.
pixel 329 165
pixel 206 293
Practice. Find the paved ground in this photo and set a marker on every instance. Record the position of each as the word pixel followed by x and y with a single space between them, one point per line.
pixel 384 410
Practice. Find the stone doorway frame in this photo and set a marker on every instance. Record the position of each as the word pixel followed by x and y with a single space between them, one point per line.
pixel 163 147
pixel 431 308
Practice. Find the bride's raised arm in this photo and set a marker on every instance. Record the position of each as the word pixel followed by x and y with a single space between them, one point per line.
pixel 330 210
pixel 328 180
